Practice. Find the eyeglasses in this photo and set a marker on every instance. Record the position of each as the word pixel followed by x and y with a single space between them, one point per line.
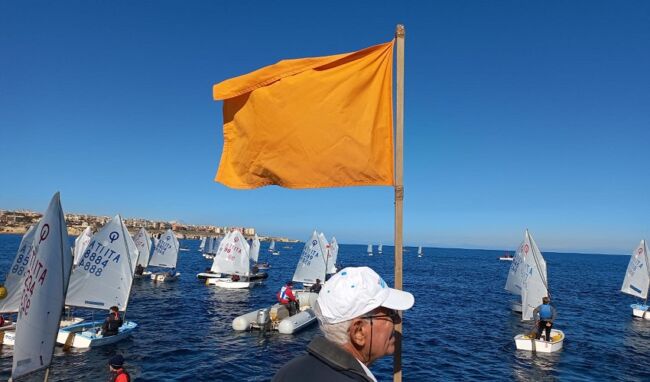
pixel 392 314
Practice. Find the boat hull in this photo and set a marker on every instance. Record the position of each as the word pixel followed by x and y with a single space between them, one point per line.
pixel 524 342
pixel 506 258
pixel 211 275
pixel 641 311
pixel 164 277
pixel 282 323
pixel 10 333
pixel 86 336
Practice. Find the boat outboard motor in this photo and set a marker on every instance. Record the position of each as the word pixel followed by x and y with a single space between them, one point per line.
pixel 264 319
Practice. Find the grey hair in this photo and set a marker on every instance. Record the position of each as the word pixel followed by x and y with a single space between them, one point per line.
pixel 337 333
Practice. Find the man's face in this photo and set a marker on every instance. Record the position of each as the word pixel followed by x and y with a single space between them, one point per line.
pixel 382 331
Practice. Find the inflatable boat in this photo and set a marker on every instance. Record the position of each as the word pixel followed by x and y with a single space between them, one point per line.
pixel 276 317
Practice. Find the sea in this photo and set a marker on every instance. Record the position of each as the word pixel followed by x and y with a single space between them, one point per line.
pixel 460 328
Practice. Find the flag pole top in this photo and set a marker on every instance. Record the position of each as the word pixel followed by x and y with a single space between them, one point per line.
pixel 400 31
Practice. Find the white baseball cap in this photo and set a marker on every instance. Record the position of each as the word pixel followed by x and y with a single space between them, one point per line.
pixel 355 291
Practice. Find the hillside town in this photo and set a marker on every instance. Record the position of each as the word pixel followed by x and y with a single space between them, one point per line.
pixel 17 222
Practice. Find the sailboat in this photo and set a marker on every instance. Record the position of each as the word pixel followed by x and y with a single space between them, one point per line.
pixel 14 282
pixel 202 245
pixel 637 280
pixel 420 251
pixel 80 244
pixel 232 258
pixel 142 242
pixel 47 274
pixel 380 248
pixel 165 255
pixel 333 254
pixel 255 253
pixel 272 249
pixel 534 286
pixel 311 266
pixel 369 250
pixel 102 279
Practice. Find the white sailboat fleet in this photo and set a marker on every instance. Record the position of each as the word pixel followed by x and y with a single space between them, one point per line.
pixel 165 255
pixel 102 279
pixel 527 278
pixel 43 294
pixel 637 280
pixel 313 264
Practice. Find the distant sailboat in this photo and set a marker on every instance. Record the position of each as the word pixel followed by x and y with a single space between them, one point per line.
pixel 333 254
pixel 42 297
pixel 102 279
pixel 534 286
pixel 233 259
pixel 165 255
pixel 637 280
pixel 369 250
pixel 80 244
pixel 380 248
pixel 272 249
pixel 420 251
pixel 142 241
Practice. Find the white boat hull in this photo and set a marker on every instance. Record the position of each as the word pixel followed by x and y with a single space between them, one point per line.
pixel 515 306
pixel 10 333
pixel 641 311
pixel 86 334
pixel 524 342
pixel 227 283
pixel 506 258
pixel 164 277
pixel 284 324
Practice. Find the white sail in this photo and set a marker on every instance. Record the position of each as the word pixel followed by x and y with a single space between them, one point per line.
pixel 369 248
pixel 233 255
pixel 420 250
pixel 13 282
pixel 43 293
pixel 272 246
pixel 311 265
pixel 165 254
pixel 534 281
pixel 637 276
pixel 202 245
pixel 515 274
pixel 255 249
pixel 104 275
pixel 143 242
pixel 80 244
pixel 380 248
pixel 334 254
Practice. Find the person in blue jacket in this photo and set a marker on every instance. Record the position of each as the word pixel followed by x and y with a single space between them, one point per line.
pixel 544 316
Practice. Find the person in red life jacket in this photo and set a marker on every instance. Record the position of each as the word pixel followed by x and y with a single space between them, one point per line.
pixel 286 298
pixel 544 316
pixel 2 320
pixel 112 323
pixel 116 367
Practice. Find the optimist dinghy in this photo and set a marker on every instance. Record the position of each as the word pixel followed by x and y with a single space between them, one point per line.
pixel 233 259
pixel 42 294
pixel 637 280
pixel 528 342
pixel 311 266
pixel 272 249
pixel 534 286
pixel 420 251
pixel 142 241
pixel 518 269
pixel 369 250
pixel 102 279
pixel 165 255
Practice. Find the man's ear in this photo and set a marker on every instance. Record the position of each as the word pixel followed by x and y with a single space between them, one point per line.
pixel 357 335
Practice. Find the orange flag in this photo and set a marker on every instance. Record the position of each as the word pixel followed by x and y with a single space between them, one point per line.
pixel 310 122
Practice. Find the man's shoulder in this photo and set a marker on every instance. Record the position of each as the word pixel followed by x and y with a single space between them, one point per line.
pixel 316 369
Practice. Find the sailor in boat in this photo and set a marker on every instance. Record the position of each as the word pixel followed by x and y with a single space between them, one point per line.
pixel 287 298
pixel 112 323
pixel 544 316
pixel 139 269
pixel 357 313
pixel 316 287
pixel 116 368
pixel 172 272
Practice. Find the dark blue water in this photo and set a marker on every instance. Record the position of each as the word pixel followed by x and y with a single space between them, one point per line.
pixel 459 329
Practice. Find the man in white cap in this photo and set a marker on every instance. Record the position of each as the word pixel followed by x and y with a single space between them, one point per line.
pixel 357 313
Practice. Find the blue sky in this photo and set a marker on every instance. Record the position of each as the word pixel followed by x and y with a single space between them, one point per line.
pixel 518 115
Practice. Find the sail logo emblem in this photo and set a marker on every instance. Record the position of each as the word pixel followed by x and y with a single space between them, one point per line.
pixel 313 242
pixel 113 236
pixel 526 248
pixel 45 232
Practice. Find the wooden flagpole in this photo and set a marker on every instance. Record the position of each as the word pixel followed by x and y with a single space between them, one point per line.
pixel 399 191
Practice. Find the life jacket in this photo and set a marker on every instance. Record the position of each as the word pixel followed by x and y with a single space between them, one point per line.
pixel 282 295
pixel 545 312
pixel 113 323
pixel 120 376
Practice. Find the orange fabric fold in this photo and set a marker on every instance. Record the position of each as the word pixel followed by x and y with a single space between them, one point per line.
pixel 310 122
